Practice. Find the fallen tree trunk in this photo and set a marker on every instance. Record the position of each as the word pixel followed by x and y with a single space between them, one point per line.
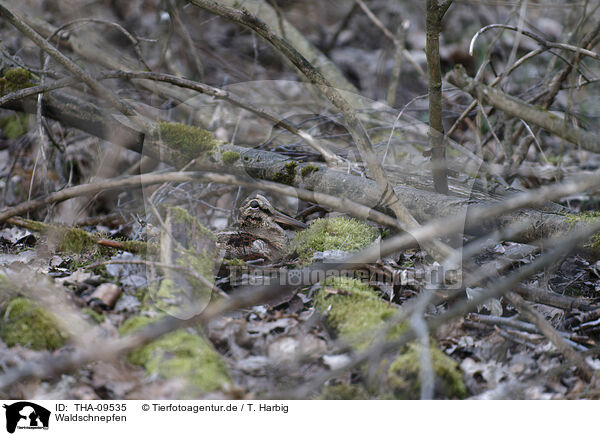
pixel 550 221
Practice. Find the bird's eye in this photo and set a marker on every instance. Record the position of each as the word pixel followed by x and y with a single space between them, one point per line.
pixel 254 204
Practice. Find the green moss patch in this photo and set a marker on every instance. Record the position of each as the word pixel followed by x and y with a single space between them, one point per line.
pixel 63 238
pixel 141 247
pixel 287 175
pixel 14 79
pixel 308 170
pixel 234 262
pixel 403 375
pixel 339 233
pixel 229 157
pixel 186 143
pixel 355 311
pixel 75 240
pixel 98 318
pixel 586 218
pixel 180 354
pixel 15 126
pixel 27 324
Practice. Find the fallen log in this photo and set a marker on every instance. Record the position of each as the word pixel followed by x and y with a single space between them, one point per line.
pixel 552 220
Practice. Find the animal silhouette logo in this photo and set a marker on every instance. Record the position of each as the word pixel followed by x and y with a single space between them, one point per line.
pixel 27 415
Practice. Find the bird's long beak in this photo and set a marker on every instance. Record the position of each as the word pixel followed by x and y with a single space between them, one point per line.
pixel 288 220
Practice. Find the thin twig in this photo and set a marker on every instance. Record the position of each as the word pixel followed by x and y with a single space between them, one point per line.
pixel 342 204
pixel 187 38
pixel 134 41
pixel 544 43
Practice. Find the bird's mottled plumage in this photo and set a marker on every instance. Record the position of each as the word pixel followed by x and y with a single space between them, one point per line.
pixel 258 234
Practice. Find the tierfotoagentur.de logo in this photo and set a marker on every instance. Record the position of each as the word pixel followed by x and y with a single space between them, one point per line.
pixel 25 415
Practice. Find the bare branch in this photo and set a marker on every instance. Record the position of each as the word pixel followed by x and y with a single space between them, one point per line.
pixel 519 109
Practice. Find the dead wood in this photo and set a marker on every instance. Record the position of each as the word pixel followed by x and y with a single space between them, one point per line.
pixel 550 221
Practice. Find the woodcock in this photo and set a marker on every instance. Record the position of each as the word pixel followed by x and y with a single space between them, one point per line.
pixel 258 234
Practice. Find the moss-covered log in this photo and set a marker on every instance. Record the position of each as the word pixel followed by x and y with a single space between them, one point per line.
pixel 551 220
